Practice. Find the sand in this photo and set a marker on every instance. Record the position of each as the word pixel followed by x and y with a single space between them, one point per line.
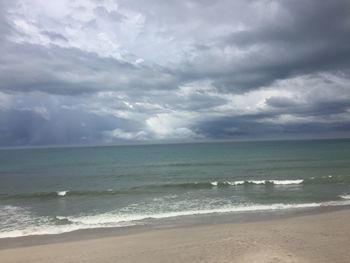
pixel 323 237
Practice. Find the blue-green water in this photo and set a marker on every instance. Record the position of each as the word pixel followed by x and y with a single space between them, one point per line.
pixel 46 191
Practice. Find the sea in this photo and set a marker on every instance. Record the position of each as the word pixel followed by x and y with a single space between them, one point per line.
pixel 58 190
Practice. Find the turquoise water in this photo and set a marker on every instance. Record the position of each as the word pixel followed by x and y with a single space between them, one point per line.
pixel 55 190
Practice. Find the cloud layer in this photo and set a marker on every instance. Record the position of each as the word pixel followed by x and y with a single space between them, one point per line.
pixel 104 71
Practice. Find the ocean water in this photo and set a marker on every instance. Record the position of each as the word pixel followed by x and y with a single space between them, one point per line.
pixel 57 190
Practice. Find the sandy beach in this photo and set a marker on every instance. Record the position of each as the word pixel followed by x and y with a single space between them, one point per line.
pixel 323 237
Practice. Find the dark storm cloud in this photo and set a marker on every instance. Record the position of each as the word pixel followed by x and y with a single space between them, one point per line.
pixel 25 127
pixel 233 127
pixel 310 108
pixel 250 127
pixel 71 71
pixel 19 127
pixel 301 38
pixel 84 71
pixel 280 102
pixel 312 118
pixel 301 23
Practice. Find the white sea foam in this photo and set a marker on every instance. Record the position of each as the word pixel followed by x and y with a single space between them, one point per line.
pixel 286 182
pixel 62 193
pixel 9 215
pixel 257 181
pixel 276 182
pixel 118 220
pixel 214 183
pixel 344 196
pixel 47 230
pixel 234 183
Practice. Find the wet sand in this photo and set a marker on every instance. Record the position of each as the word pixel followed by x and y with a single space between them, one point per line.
pixel 323 237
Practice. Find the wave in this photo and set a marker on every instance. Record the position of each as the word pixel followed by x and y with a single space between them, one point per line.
pixel 257 182
pixel 107 220
pixel 136 189
pixel 62 193
pixel 53 229
pixel 188 164
pixel 266 182
pixel 344 196
pixel 231 183
pixel 286 182
pixel 330 179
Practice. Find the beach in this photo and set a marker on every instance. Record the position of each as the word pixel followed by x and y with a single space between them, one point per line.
pixel 319 237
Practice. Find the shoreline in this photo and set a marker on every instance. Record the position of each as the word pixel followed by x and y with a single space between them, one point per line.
pixel 178 222
pixel 316 237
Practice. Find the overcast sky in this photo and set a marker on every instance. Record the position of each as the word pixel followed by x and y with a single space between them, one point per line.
pixel 126 71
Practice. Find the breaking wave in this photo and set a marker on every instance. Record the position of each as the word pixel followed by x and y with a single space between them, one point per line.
pixel 186 185
pixel 62 193
pixel 105 220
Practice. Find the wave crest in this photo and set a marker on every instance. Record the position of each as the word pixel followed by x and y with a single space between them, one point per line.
pixel 339 179
pixel 62 193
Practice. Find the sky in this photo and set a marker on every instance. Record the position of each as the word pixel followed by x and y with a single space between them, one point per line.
pixel 82 72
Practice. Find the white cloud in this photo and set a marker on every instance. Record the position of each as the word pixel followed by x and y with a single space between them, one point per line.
pixel 171 126
pixel 139 61
pixel 124 135
pixel 77 22
pixel 6 101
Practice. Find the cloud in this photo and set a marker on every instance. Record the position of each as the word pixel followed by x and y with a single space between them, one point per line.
pixel 171 126
pixel 88 72
pixel 124 135
pixel 34 127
